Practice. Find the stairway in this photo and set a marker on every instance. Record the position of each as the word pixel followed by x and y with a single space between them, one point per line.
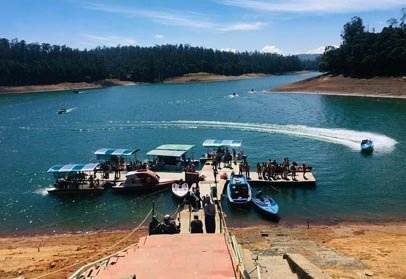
pixel 269 266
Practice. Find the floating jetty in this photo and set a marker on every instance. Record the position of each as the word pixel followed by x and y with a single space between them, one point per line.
pixel 186 255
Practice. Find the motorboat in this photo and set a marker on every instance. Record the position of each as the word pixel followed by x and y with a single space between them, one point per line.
pixel 76 179
pixel 265 204
pixel 239 190
pixel 143 180
pixel 62 110
pixel 367 145
pixel 180 190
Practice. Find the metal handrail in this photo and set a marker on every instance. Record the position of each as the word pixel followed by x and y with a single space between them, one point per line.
pixel 232 242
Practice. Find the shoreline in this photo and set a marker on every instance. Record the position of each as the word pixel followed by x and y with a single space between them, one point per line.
pixel 377 87
pixel 187 78
pixel 208 77
pixel 373 245
pixel 64 86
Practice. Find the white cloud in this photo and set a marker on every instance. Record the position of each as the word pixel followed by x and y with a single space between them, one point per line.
pixel 308 6
pixel 175 18
pixel 94 40
pixel 271 49
pixel 227 49
pixel 243 27
pixel 159 36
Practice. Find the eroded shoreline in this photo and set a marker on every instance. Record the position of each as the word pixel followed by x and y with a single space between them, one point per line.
pixel 377 87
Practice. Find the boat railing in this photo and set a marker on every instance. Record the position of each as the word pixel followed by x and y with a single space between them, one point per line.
pixel 233 246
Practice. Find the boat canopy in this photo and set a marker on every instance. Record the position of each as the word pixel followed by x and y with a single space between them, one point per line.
pixel 219 143
pixel 166 153
pixel 183 147
pixel 115 151
pixel 73 168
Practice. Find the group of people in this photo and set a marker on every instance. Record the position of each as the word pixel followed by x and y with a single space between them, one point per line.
pixel 167 226
pixel 223 155
pixel 137 165
pixel 75 179
pixel 244 169
pixel 274 171
pixel 193 199
pixel 196 225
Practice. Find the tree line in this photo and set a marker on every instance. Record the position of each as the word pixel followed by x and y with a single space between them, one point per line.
pixel 24 63
pixel 366 54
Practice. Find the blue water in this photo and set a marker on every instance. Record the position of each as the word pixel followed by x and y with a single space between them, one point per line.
pixel 323 131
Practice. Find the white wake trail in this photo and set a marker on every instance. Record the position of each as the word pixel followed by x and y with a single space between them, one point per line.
pixel 346 137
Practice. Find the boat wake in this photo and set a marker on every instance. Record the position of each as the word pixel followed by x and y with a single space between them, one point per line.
pixel 234 95
pixel 43 191
pixel 70 109
pixel 345 137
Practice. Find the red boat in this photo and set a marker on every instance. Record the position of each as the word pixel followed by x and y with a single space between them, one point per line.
pixel 142 181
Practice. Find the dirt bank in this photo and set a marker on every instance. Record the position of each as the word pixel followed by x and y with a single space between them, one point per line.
pixel 345 250
pixel 64 86
pixel 197 77
pixel 389 87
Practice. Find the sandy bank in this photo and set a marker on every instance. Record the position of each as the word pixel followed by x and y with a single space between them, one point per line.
pixel 196 77
pixel 389 87
pixel 64 86
pixel 345 250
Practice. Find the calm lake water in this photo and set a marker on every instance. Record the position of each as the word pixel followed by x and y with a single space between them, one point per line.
pixel 323 131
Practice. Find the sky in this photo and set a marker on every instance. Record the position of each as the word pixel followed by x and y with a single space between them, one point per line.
pixel 278 26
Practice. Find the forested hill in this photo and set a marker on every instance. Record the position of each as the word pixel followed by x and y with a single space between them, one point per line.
pixel 366 54
pixel 30 64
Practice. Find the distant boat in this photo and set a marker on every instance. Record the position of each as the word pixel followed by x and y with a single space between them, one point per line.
pixel 180 190
pixel 367 145
pixel 62 110
pixel 239 190
pixel 142 181
pixel 265 204
pixel 76 91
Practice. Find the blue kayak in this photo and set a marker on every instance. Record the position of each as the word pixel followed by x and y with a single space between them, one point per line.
pixel 367 145
pixel 266 205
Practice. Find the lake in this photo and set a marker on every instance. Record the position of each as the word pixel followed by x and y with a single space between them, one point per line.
pixel 323 131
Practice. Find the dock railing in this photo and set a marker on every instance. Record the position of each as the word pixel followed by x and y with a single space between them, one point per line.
pixel 233 247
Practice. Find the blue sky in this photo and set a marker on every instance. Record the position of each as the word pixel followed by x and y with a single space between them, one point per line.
pixel 287 27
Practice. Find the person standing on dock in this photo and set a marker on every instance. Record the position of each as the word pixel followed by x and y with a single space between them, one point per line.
pixel 240 168
pixel 209 216
pixel 259 170
pixel 247 170
pixel 293 171
pixel 304 171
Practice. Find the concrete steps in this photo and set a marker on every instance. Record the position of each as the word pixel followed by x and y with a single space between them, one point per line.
pixel 269 266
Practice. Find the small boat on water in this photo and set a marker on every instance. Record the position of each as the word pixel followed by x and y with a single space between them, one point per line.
pixel 367 145
pixel 76 179
pixel 180 190
pixel 239 190
pixel 265 204
pixel 62 110
pixel 142 181
pixel 76 91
